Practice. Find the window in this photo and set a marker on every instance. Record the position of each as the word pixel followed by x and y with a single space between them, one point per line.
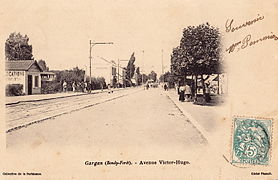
pixel 36 81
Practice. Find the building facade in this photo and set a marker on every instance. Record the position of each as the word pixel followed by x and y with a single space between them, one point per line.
pixel 25 72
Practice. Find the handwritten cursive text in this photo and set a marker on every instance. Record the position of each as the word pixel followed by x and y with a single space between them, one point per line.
pixel 230 28
pixel 247 42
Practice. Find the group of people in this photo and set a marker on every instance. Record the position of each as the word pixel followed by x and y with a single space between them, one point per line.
pixel 81 86
pixel 109 88
pixel 150 85
pixel 184 92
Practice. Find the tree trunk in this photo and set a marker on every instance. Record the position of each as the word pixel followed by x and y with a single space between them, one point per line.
pixel 195 87
pixel 204 89
pixel 218 84
pixel 192 85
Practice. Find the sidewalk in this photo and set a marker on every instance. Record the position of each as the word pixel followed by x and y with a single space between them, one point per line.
pixel 204 118
pixel 40 97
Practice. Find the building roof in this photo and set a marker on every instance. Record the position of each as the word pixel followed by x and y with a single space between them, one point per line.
pixel 48 72
pixel 21 65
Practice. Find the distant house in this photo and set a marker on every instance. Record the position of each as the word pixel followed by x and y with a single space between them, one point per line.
pixel 47 76
pixel 25 72
pixel 107 70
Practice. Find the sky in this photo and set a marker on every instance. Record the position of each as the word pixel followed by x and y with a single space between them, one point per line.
pixel 60 31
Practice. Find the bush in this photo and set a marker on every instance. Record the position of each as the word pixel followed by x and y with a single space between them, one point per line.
pixel 14 90
pixel 51 87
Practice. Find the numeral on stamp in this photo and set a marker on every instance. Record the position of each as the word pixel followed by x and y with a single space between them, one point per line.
pixel 251 141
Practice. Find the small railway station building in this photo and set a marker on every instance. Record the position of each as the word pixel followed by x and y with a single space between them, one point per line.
pixel 25 72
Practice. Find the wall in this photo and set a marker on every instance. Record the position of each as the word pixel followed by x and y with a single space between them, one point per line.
pixel 35 90
pixel 16 77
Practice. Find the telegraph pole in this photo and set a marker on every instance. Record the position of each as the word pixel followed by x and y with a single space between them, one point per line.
pixel 92 44
pixel 162 61
pixel 90 67
pixel 118 73
pixel 143 67
pixel 162 65
pixel 123 77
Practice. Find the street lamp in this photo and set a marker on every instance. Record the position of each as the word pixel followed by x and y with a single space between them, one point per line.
pixel 92 44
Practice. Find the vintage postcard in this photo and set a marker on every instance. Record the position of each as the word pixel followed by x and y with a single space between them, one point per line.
pixel 126 89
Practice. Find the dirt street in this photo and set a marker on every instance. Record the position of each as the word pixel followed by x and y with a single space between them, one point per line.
pixel 135 118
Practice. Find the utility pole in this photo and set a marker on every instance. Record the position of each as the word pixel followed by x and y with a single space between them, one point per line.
pixel 92 44
pixel 143 67
pixel 118 73
pixel 162 61
pixel 162 65
pixel 85 73
pixel 119 60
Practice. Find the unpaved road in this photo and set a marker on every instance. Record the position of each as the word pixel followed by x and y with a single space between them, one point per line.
pixel 25 113
pixel 132 118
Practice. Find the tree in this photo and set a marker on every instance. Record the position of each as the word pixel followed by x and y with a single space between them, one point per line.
pixel 70 76
pixel 137 70
pixel 145 78
pixel 198 53
pixel 42 64
pixel 17 47
pixel 130 70
pixel 73 75
pixel 178 63
pixel 200 49
pixel 152 76
pixel 130 67
pixel 138 76
pixel 167 77
pixel 97 83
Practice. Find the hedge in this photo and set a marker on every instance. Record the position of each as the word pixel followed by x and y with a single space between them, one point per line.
pixel 14 90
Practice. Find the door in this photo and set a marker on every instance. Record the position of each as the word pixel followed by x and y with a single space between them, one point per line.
pixel 29 84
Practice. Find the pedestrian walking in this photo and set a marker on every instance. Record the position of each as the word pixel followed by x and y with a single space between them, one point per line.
pixel 109 89
pixel 82 86
pixel 177 87
pixel 64 86
pixel 73 87
pixel 165 87
pixel 187 92
pixel 207 92
pixel 181 93
pixel 85 86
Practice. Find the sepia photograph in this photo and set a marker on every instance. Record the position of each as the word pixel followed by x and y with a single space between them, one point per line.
pixel 139 89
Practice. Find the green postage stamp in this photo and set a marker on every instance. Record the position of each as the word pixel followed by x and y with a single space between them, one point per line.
pixel 251 141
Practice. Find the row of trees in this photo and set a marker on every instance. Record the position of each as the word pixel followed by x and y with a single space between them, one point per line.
pixel 140 78
pixel 71 76
pixel 198 55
